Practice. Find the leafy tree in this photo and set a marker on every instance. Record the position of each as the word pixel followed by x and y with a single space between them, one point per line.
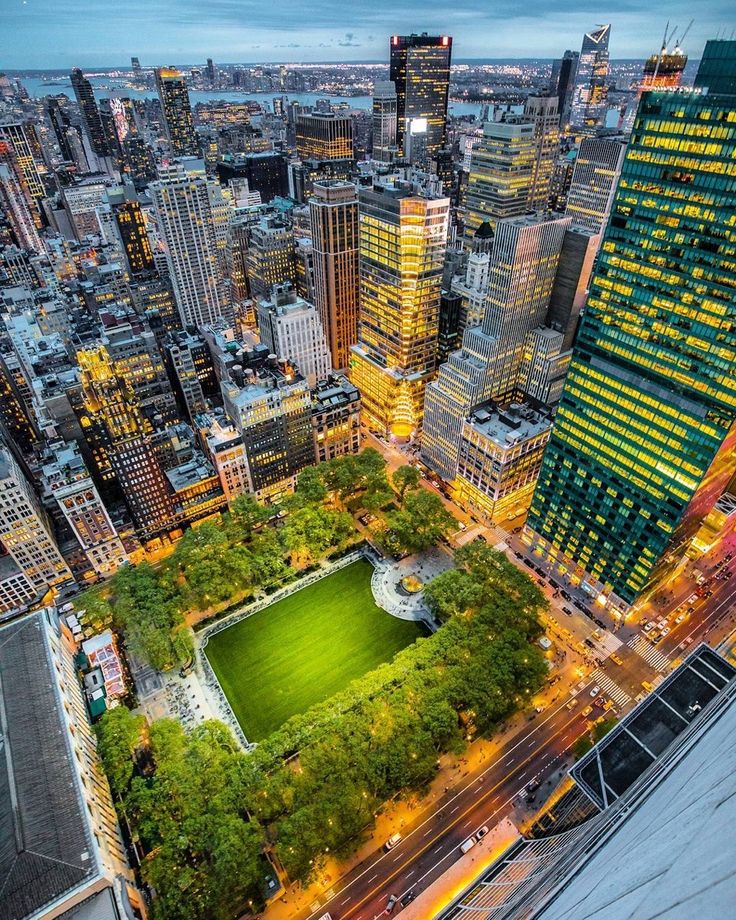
pixel 405 478
pixel 421 523
pixel 309 532
pixel 310 487
pixel 95 602
pixel 247 513
pixel 118 736
pixel 452 593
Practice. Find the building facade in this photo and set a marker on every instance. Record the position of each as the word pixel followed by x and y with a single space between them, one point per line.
pixel 419 68
pixel 174 97
pixel 403 239
pixel 333 211
pixel 643 443
pixel 590 95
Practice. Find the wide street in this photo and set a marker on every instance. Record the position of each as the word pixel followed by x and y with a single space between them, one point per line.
pixel 492 779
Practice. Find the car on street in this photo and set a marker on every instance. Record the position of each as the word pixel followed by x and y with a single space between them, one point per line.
pixel 587 711
pixel 595 691
pixel 573 703
pixel 392 841
pixel 481 832
pixel 665 632
pixel 407 898
pixel 615 658
pixel 648 627
pixel 391 903
pixel 468 844
pixel 567 611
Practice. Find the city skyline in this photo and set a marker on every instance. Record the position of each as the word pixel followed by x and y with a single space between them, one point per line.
pixel 254 33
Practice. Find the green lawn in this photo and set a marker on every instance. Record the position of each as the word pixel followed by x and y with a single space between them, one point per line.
pixel 305 648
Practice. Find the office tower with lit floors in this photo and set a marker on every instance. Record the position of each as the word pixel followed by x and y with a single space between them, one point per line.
pixel 403 239
pixel 324 136
pixel 501 177
pixel 333 210
pixel 174 96
pixel 542 112
pixel 420 71
pixel 590 94
pixel 644 440
pixel 594 179
pixel 31 564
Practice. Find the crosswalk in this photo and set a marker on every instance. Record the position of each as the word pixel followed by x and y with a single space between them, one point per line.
pixel 650 654
pixel 610 688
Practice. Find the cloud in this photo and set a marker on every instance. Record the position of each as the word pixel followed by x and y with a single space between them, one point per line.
pixel 50 34
pixel 348 42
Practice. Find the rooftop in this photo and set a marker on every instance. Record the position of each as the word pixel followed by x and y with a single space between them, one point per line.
pixel 45 846
pixel 507 427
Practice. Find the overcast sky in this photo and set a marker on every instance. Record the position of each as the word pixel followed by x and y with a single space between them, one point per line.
pixel 89 33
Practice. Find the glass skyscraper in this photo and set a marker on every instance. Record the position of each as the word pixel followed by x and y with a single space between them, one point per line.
pixel 588 109
pixel 420 71
pixel 644 440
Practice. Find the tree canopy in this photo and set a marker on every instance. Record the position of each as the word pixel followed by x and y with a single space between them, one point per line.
pixel 420 523
pixel 207 811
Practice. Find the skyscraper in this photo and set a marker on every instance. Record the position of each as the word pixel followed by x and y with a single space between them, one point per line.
pixel 324 136
pixel 384 121
pixel 597 168
pixel 563 84
pixel 501 177
pixel 182 203
pixel 67 478
pixel 14 205
pixel 291 329
pixel 25 530
pixel 19 151
pixel 119 437
pixel 336 250
pixel 498 361
pixel 132 229
pixel 174 95
pixel 661 71
pixel 588 109
pixel 644 439
pixel 542 112
pixel 403 238
pixel 420 71
pixel 90 113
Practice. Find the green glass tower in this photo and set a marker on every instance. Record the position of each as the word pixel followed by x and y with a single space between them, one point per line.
pixel 644 440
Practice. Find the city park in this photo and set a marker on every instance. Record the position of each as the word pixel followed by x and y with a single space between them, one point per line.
pixel 343 706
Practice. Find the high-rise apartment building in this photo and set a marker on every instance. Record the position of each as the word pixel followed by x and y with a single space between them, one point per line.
pixel 501 177
pixel 333 211
pixel 403 239
pixel 384 121
pixel 174 95
pixel 335 418
pixel 26 532
pixel 419 68
pixel 68 480
pixel 91 120
pixel 324 136
pixel 291 328
pixel 563 84
pixel 597 168
pixel 542 112
pixel 644 438
pixel 588 109
pixel 183 206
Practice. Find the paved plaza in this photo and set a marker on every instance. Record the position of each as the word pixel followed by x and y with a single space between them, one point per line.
pixel 388 591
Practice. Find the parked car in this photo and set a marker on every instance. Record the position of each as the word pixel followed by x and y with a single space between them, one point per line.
pixel 468 844
pixel 392 841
